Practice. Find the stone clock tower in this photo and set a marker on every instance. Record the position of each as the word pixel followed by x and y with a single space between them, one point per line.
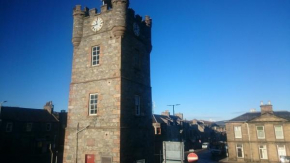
pixel 110 107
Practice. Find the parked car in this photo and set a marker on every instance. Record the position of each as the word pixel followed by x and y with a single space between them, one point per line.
pixel 204 145
pixel 218 149
pixel 284 159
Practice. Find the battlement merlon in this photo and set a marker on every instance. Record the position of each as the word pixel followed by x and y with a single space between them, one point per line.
pixel 120 2
pixel 148 21
pixel 77 11
pixel 78 15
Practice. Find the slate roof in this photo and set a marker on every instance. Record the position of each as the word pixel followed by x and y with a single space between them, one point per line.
pixel 164 118
pixel 220 123
pixel 250 116
pixel 26 115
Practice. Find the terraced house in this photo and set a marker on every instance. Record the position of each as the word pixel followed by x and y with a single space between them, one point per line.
pixel 259 136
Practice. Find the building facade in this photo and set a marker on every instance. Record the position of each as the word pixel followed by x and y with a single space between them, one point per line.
pixel 110 108
pixel 259 136
pixel 31 135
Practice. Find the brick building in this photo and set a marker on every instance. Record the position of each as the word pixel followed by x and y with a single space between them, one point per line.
pixel 30 135
pixel 110 106
pixel 259 136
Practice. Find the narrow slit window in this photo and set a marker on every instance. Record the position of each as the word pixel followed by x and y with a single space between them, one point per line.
pixel 95 55
pixel 137 105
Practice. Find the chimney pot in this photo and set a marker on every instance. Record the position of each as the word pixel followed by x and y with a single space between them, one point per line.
pixel 268 108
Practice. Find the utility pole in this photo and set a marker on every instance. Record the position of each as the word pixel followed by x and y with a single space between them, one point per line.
pixel 173 107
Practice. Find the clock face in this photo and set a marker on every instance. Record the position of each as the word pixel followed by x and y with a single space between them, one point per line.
pixel 136 29
pixel 97 24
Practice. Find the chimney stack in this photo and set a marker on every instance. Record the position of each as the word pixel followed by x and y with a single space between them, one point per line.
pixel 266 108
pixel 180 115
pixel 167 113
pixel 48 107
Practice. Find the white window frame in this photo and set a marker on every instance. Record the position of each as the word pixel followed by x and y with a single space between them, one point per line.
pixel 238 131
pixel 48 127
pixel 137 105
pixel 28 127
pixel 237 150
pixel 9 127
pixel 95 55
pixel 93 104
pixel 279 151
pixel 264 136
pixel 281 132
pixel 263 152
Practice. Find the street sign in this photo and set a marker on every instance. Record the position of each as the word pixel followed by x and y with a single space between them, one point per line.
pixel 173 151
pixel 191 157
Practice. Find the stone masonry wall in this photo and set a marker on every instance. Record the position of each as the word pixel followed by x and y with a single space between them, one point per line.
pixel 102 137
pixel 115 131
pixel 251 143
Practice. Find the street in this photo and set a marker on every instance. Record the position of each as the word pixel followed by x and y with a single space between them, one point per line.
pixel 204 156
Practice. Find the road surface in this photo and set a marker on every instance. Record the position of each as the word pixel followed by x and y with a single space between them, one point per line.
pixel 204 156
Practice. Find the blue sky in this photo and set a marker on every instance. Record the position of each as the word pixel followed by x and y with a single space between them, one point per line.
pixel 217 58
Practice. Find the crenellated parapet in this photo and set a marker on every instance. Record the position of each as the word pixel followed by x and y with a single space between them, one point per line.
pixel 145 26
pixel 78 15
pixel 117 18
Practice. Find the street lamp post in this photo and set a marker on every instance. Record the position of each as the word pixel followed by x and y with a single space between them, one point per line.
pixel 1 107
pixel 77 137
pixel 173 107
pixel 1 112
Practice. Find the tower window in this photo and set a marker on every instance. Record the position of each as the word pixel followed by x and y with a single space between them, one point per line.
pixel 137 59
pixel 95 55
pixel 93 104
pixel 28 127
pixel 137 105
